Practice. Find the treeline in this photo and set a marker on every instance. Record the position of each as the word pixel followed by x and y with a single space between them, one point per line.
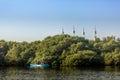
pixel 61 50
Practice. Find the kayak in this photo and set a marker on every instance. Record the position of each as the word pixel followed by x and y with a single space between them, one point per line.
pixel 39 65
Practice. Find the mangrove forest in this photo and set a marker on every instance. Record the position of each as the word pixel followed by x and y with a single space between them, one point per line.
pixel 62 50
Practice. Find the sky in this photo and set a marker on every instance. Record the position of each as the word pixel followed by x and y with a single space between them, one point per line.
pixel 30 20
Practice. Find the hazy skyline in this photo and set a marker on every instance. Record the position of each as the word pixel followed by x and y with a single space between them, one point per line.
pixel 29 20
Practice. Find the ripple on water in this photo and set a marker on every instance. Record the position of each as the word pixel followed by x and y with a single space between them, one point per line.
pixel 15 73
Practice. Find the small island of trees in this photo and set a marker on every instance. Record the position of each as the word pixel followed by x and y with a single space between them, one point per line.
pixel 62 50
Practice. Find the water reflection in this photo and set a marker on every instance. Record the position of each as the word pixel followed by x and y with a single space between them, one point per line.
pixel 63 73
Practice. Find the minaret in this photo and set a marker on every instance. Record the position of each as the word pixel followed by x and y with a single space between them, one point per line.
pixel 95 34
pixel 73 30
pixel 83 33
pixel 62 31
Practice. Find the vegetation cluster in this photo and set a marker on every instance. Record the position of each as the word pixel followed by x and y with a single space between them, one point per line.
pixel 62 50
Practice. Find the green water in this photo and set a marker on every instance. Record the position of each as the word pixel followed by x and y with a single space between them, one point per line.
pixel 64 73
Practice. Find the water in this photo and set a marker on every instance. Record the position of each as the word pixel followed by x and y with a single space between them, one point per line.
pixel 64 73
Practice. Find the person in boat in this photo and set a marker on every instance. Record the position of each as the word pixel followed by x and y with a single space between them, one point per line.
pixel 44 62
pixel 38 62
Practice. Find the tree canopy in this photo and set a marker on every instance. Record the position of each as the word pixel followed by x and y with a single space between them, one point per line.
pixel 62 50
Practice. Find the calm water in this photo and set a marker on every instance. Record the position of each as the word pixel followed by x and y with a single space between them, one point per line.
pixel 87 73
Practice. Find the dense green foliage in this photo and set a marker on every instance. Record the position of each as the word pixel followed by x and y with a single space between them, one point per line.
pixel 62 50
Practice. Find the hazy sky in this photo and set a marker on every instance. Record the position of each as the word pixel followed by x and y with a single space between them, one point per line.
pixel 29 20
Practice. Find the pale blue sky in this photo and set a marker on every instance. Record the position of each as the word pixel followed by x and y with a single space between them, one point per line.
pixel 29 20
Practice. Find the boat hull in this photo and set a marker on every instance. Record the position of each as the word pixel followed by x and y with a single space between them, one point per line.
pixel 39 65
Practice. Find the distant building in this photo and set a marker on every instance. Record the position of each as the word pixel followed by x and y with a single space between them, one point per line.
pixel 62 31
pixel 83 33
pixel 73 30
pixel 95 34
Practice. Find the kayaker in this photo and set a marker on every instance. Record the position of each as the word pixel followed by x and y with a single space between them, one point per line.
pixel 38 62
